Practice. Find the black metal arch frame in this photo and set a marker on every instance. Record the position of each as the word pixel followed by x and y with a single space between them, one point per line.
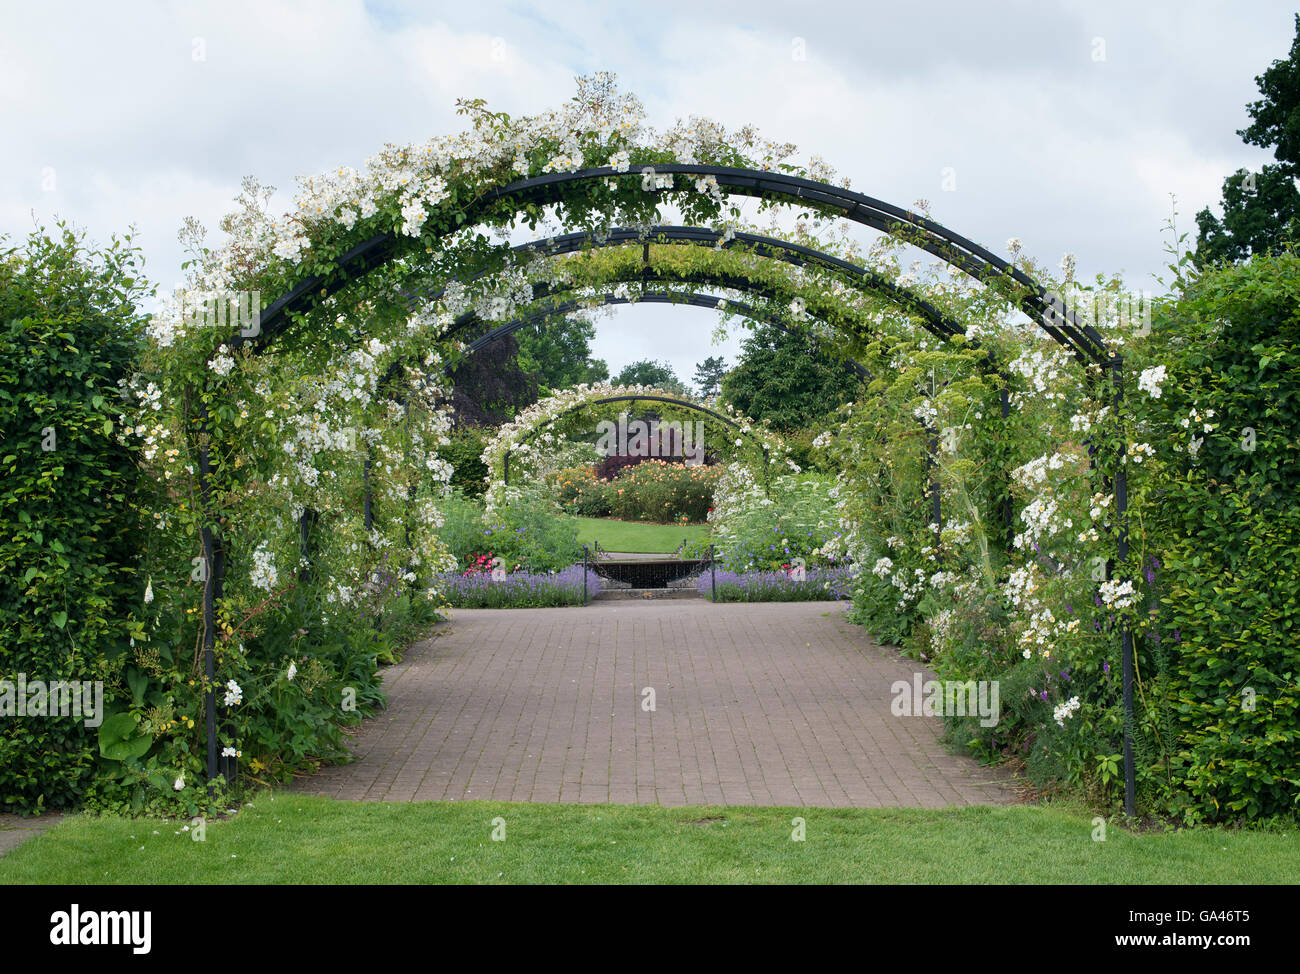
pixel 623 397
pixel 772 248
pixel 694 299
pixel 1044 308
pixel 931 318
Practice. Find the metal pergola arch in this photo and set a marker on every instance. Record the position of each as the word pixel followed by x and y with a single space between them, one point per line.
pixel 1045 309
pixel 931 318
pixel 693 299
pixel 736 283
pixel 773 248
pixel 623 397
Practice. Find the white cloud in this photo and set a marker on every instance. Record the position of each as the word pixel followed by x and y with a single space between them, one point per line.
pixel 1047 144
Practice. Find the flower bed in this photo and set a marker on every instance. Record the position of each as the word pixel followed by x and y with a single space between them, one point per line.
pixel 817 585
pixel 663 492
pixel 518 590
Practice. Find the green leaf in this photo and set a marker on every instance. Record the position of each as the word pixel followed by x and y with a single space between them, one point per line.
pixel 118 740
pixel 139 682
pixel 60 618
pixel 117 728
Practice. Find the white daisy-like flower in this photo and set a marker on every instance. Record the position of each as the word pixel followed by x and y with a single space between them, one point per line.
pixel 221 362
pixel 1064 710
pixel 1150 379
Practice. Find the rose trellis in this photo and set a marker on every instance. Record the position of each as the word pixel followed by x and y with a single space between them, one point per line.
pixel 220 409
pixel 753 446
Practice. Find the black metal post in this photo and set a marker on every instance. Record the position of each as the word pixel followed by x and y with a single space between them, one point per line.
pixel 227 767
pixel 505 471
pixel 410 496
pixel 1008 509
pixel 209 628
pixel 584 574
pixel 306 521
pixel 1121 556
pixel 932 464
pixel 209 595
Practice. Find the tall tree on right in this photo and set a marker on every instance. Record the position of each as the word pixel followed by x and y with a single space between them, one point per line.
pixel 1261 211
pixel 785 379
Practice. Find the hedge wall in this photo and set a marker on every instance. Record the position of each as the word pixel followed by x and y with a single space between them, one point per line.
pixel 67 540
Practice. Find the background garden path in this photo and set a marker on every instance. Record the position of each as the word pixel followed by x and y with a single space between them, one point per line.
pixel 755 704
pixel 15 829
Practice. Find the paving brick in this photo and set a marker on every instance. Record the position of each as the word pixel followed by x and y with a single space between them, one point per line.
pixel 772 703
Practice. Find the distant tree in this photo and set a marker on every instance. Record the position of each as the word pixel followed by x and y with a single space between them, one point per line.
pixel 709 375
pixel 557 353
pixel 489 387
pixel 1261 211
pixel 509 374
pixel 648 373
pixel 785 379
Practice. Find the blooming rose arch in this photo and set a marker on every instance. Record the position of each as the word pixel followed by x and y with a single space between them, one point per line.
pixel 341 269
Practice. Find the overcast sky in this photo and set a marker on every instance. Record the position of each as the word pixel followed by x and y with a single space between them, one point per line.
pixel 1067 125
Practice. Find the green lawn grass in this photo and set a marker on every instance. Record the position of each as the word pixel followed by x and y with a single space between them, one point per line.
pixel 632 536
pixel 294 839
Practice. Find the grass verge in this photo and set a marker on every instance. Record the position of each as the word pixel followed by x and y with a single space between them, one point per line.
pixel 633 536
pixel 286 838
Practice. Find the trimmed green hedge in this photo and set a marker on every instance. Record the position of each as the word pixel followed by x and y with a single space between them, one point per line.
pixel 67 537
pixel 1227 527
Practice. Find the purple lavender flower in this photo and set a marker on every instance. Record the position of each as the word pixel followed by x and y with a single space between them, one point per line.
pixel 819 584
pixel 481 590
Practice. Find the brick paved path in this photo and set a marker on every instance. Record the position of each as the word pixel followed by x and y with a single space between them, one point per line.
pixel 768 704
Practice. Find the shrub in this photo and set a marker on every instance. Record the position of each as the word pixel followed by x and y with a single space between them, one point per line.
pixel 663 492
pixel 761 531
pixel 1223 525
pixel 462 529
pixel 529 533
pixel 580 492
pixel 465 454
pixel 68 535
